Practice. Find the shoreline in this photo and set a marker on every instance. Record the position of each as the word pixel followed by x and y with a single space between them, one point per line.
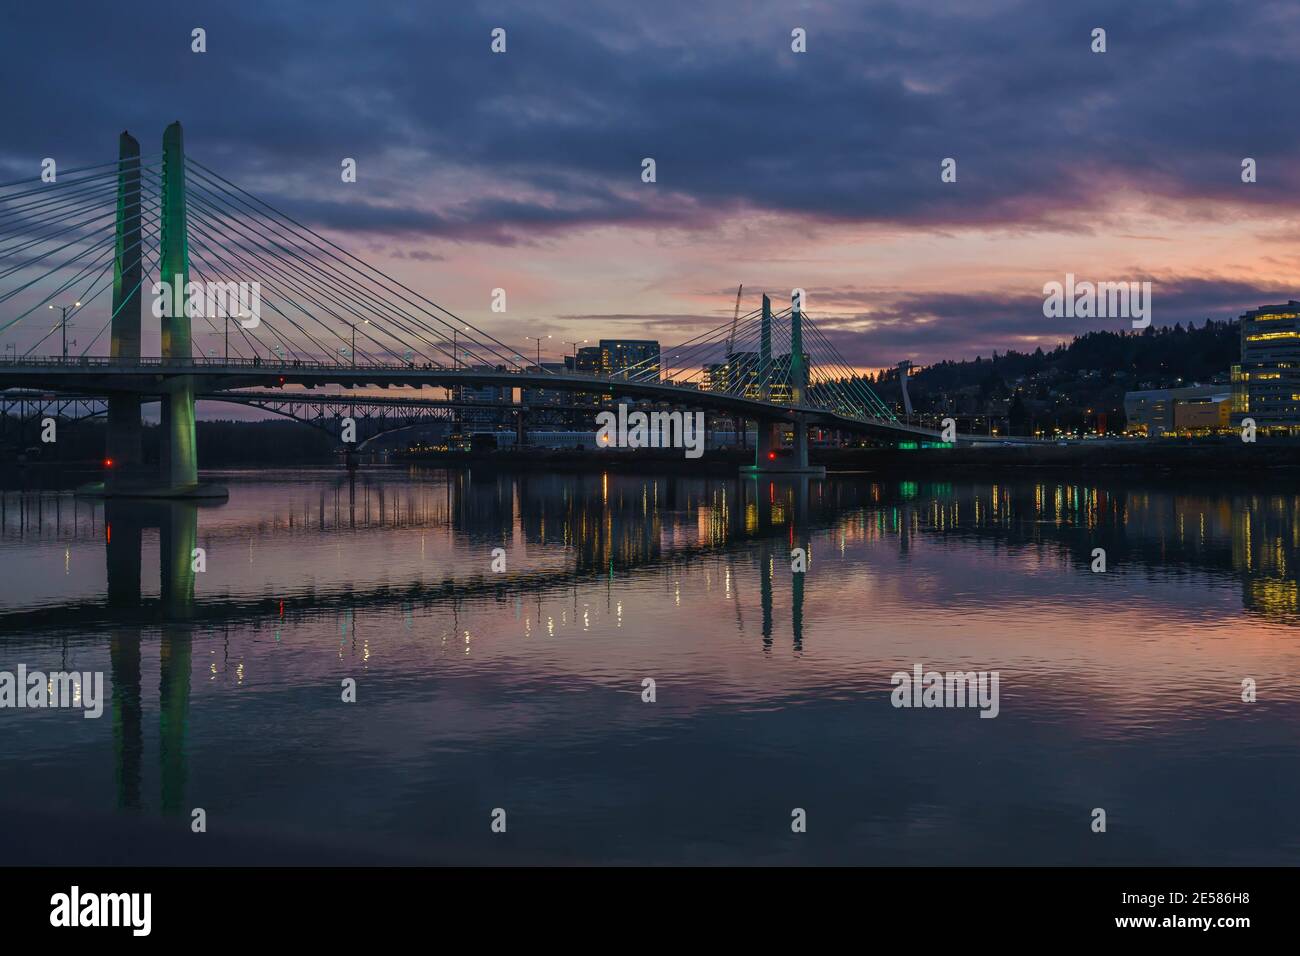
pixel 1189 457
pixel 1184 457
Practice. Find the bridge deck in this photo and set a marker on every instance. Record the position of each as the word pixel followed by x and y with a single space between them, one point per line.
pixel 161 376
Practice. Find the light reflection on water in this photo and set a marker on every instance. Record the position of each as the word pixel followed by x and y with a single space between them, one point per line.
pixel 522 690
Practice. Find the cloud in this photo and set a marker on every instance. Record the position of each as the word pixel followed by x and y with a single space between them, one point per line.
pixel 927 326
pixel 460 150
pixel 1046 134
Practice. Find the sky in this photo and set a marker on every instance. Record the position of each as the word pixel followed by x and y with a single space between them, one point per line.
pixel 821 170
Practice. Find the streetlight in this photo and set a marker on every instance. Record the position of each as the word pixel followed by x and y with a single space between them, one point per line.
pixel 455 361
pixel 539 349
pixel 64 322
pixel 575 352
pixel 353 325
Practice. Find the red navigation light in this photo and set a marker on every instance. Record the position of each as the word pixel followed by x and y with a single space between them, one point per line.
pixel 771 456
pixel 108 463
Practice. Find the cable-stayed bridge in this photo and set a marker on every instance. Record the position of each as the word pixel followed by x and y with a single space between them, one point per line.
pixel 103 250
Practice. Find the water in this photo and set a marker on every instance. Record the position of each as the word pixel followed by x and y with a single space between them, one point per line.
pixel 523 690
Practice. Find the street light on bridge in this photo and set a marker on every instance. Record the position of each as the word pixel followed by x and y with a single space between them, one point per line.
pixel 575 351
pixel 538 340
pixel 64 323
pixel 353 350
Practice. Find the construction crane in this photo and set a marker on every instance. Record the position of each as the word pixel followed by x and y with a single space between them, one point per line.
pixel 735 316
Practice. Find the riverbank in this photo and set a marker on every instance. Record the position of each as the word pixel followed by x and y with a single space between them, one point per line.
pixel 1206 458
pixel 1209 456
pixel 1185 456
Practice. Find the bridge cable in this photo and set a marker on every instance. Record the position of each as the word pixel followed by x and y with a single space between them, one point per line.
pixel 378 272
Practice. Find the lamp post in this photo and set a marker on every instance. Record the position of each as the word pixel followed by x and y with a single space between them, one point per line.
pixel 455 348
pixel 538 340
pixel 64 322
pixel 353 350
pixel 575 351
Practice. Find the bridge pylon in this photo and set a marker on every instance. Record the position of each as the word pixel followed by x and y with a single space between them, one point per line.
pixel 767 459
pixel 177 456
pixel 177 448
pixel 123 445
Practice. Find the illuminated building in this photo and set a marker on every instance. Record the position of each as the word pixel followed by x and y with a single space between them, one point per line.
pixel 1268 379
pixel 1158 411
pixel 479 395
pixel 534 397
pixel 742 375
pixel 585 361
pixel 1209 414
pixel 634 357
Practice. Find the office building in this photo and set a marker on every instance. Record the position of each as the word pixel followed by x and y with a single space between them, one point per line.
pixel 1161 411
pixel 585 361
pixel 535 397
pixel 1267 383
pixel 634 357
pixel 744 375
pixel 480 395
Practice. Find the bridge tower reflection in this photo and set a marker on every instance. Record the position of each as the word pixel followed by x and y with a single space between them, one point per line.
pixel 125 521
pixel 784 500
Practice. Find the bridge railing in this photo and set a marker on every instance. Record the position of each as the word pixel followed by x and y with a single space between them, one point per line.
pixel 597 378
pixel 79 362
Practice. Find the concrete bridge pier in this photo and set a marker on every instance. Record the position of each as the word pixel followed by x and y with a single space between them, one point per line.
pixel 521 427
pixel 765 442
pixel 177 452
pixel 800 457
pixel 769 460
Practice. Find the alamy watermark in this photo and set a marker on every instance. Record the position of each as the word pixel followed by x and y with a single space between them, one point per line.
pixel 1098 300
pixel 209 300
pixel 652 430
pixel 37 690
pixel 133 911
pixel 977 689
